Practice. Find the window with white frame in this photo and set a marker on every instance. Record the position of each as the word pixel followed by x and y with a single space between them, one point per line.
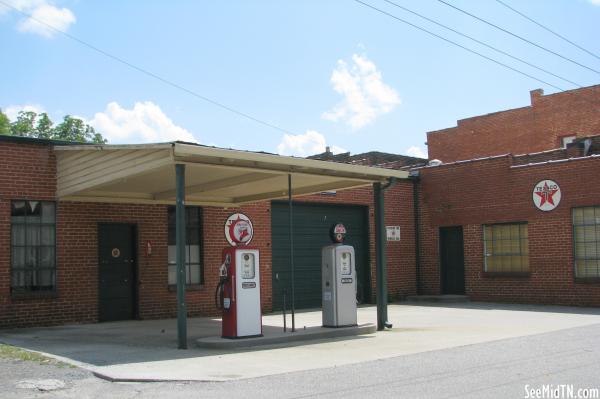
pixel 586 240
pixel 193 263
pixel 33 246
pixel 506 248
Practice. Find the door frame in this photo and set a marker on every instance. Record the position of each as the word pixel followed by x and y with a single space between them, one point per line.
pixel 135 267
pixel 442 285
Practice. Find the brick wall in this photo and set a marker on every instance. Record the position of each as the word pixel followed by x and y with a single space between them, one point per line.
pixel 538 127
pixel 29 173
pixel 471 194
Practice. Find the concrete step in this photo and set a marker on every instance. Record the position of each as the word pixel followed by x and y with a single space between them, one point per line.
pixel 437 298
pixel 276 336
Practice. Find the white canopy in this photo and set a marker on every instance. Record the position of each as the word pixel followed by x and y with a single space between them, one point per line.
pixel 215 176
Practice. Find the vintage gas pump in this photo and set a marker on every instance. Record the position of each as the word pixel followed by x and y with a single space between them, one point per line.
pixel 238 290
pixel 339 281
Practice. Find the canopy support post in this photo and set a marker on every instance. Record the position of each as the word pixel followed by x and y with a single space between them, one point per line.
pixel 291 232
pixel 381 262
pixel 180 221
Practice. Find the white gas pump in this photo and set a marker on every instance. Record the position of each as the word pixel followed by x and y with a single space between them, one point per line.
pixel 338 281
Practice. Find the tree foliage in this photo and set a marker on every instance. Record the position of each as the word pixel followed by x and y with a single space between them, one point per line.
pixel 4 124
pixel 32 124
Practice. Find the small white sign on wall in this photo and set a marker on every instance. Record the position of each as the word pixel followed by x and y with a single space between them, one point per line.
pixel 393 233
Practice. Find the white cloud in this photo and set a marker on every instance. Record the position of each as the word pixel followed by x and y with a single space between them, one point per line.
pixel 41 10
pixel 12 111
pixel 144 123
pixel 595 2
pixel 415 151
pixel 365 94
pixel 302 145
pixel 21 5
pixel 58 18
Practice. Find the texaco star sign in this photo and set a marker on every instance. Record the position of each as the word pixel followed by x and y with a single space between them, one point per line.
pixel 546 195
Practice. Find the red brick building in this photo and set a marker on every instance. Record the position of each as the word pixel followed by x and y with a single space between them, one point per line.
pixel 548 123
pixel 479 230
pixel 50 263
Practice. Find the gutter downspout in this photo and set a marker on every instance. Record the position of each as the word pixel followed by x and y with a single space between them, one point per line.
pixel 381 262
pixel 415 180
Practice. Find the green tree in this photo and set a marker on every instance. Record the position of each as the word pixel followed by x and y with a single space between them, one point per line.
pixel 24 126
pixel 74 129
pixel 31 124
pixel 4 124
pixel 44 127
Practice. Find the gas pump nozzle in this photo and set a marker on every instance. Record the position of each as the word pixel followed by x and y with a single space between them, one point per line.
pixel 221 301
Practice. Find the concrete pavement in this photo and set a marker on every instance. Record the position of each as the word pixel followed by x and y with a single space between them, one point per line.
pixel 145 350
pixel 498 369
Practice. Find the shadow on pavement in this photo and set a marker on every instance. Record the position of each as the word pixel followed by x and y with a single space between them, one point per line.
pixel 507 306
pixel 133 341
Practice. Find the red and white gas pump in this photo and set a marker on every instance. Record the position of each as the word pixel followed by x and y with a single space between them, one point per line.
pixel 238 291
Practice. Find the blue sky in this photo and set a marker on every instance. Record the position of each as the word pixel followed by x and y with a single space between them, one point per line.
pixel 330 73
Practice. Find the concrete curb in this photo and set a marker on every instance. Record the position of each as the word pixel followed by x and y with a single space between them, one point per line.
pixel 309 334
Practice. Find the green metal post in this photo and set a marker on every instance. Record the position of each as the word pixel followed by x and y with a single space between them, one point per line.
pixel 180 255
pixel 380 265
pixel 291 231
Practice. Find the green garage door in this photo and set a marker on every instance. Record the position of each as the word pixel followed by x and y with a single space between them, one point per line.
pixel 311 232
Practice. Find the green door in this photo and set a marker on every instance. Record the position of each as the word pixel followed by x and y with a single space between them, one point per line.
pixel 311 232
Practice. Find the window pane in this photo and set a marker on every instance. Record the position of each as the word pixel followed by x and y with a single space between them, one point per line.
pixel 18 278
pixel 195 274
pixel 487 231
pixel 590 250
pixel 515 245
pixel 515 263
pixel 491 264
pixel 523 231
pixel 18 234
pixel 31 257
pixel 172 251
pixel 34 212
pixel 193 235
pixel 577 216
pixel 525 246
pixel 193 216
pixel 45 278
pixel 48 212
pixel 194 254
pixel 18 257
pixel 589 233
pixel 47 235
pixel 32 235
pixel 187 254
pixel 18 211
pixel 588 215
pixel 172 239
pixel 578 234
pixel 514 231
pixel 47 258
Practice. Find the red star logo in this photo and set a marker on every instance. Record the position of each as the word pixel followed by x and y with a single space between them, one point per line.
pixel 546 194
pixel 243 233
